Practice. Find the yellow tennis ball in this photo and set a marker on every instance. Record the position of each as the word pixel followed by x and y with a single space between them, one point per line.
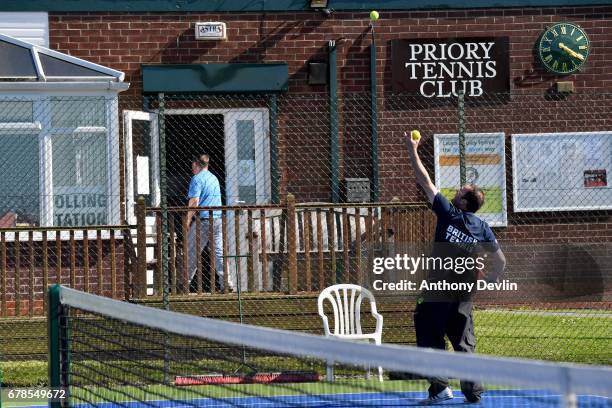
pixel 415 135
pixel 374 15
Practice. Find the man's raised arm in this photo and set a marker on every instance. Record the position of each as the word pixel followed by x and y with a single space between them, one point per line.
pixel 420 172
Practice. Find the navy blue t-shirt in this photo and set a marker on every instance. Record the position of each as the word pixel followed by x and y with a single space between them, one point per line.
pixel 459 234
pixel 463 228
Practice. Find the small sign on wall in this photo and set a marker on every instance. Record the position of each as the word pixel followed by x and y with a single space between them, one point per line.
pixel 210 31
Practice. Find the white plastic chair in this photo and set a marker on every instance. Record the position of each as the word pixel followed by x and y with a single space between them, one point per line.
pixel 346 302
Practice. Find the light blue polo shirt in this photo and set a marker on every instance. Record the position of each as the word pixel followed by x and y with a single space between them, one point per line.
pixel 205 187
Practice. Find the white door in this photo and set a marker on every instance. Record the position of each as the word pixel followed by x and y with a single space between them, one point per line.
pixel 141 160
pixel 247 164
pixel 247 157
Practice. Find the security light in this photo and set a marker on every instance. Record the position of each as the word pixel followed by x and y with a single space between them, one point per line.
pixel 318 4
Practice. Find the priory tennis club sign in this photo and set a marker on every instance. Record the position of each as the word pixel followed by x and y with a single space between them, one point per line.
pixel 441 68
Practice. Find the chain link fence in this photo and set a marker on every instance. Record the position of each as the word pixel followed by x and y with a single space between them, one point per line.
pixel 73 169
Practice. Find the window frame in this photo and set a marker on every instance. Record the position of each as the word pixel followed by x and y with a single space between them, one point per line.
pixel 42 126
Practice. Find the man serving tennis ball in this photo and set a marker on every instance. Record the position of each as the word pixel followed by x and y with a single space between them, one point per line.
pixel 459 233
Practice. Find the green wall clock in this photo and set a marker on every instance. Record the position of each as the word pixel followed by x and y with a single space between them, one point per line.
pixel 563 48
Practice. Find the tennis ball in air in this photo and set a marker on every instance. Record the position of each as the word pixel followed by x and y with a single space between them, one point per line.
pixel 415 135
pixel 374 15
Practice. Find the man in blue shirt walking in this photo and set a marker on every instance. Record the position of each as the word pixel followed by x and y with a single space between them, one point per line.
pixel 204 191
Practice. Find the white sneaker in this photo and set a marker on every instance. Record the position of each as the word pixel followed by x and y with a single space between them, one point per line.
pixel 444 395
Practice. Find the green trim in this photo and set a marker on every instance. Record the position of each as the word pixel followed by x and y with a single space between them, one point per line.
pixel 53 317
pixel 333 122
pixel 271 5
pixel 215 78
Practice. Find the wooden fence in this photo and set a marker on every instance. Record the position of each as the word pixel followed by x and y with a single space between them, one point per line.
pixel 93 259
pixel 285 248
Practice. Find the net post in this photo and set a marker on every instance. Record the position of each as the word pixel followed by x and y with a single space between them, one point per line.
pixel 65 354
pixel 53 318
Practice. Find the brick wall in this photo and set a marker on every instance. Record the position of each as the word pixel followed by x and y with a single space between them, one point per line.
pixel 125 41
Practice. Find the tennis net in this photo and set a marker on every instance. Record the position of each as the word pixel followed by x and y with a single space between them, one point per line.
pixel 108 353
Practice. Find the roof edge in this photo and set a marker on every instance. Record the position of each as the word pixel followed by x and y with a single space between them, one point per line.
pixel 72 86
pixel 272 5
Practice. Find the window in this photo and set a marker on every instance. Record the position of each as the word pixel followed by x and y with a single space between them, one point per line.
pixel 80 180
pixel 19 164
pixel 247 187
pixel 56 157
pixel 18 63
pixel 59 139
pixel 72 112
pixel 19 187
pixel 16 112
pixel 55 67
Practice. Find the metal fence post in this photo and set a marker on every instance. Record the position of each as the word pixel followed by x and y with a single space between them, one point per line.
pixel 140 281
pixel 333 123
pixel 291 244
pixel 374 124
pixel 163 203
pixel 163 187
pixel 461 109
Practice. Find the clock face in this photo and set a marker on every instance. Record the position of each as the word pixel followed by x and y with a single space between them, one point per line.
pixel 563 48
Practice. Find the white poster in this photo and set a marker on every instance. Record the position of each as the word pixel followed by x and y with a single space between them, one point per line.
pixel 562 171
pixel 485 167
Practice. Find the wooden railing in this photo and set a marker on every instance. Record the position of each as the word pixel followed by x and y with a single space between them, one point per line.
pixel 289 247
pixel 284 248
pixel 95 259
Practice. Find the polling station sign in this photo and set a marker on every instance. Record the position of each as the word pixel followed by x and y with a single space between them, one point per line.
pixel 79 206
pixel 440 68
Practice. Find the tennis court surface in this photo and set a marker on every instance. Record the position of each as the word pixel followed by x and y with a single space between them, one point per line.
pixel 496 398
pixel 109 353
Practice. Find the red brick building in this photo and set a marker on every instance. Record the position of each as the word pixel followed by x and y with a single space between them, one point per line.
pixel 309 87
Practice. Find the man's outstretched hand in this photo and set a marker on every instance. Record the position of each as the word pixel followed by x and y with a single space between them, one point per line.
pixel 420 173
pixel 412 143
